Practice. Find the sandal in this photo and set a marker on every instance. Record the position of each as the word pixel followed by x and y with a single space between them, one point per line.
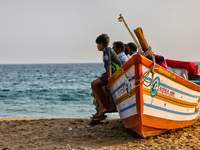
pixel 94 115
pixel 97 120
pixel 97 117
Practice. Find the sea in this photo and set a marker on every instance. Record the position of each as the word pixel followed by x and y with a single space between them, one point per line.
pixel 48 90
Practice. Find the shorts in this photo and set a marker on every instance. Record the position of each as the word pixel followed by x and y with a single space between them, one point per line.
pixel 104 78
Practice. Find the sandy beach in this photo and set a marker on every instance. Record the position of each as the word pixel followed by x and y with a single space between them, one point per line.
pixel 68 133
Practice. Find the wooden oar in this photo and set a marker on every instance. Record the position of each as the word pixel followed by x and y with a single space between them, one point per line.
pixel 142 40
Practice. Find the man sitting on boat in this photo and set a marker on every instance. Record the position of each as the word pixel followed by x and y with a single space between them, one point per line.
pixel 119 48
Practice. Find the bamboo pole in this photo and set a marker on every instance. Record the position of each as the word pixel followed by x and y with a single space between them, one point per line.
pixel 121 18
pixel 141 38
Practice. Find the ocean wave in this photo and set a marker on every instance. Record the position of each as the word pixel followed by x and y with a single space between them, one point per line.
pixel 5 90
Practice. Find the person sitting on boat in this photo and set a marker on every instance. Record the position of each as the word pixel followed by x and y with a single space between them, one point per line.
pixel 119 48
pixel 127 51
pixel 133 48
pixel 111 63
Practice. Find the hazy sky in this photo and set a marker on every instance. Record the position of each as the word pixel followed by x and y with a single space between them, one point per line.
pixel 64 31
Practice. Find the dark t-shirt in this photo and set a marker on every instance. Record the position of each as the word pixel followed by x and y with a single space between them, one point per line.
pixel 111 58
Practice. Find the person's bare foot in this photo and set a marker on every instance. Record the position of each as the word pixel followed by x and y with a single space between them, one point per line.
pixel 101 112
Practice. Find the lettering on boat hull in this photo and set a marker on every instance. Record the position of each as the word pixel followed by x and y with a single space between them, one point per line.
pixel 121 91
pixel 166 91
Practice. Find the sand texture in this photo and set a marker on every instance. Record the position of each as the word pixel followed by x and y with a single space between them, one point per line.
pixel 66 133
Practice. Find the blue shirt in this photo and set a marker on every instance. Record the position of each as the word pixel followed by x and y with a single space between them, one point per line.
pixel 122 56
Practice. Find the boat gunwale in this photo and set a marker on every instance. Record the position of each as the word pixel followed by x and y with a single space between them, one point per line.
pixel 139 59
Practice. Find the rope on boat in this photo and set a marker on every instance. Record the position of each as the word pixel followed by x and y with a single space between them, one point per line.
pixel 146 73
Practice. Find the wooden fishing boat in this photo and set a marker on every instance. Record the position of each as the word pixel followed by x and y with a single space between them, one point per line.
pixel 168 102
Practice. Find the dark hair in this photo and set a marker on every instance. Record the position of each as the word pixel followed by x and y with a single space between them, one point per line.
pixel 132 46
pixel 127 49
pixel 119 45
pixel 103 38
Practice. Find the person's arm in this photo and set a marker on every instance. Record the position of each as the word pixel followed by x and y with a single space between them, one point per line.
pixel 107 61
pixel 109 71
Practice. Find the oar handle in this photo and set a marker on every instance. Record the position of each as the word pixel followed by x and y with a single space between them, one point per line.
pixel 121 18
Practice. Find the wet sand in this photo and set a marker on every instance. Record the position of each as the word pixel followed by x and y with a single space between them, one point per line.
pixel 68 133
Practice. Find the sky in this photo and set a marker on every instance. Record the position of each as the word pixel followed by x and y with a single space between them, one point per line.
pixel 64 31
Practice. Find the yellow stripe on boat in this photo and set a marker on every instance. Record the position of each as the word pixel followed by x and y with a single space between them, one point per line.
pixel 169 99
pixel 124 97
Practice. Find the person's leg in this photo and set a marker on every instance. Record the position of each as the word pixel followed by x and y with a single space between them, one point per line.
pixel 100 96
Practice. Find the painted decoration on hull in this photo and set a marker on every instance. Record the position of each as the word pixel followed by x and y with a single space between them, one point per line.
pixel 155 86
pixel 197 106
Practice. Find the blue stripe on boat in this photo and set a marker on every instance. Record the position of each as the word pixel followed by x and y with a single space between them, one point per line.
pixel 123 84
pixel 129 107
pixel 168 110
pixel 159 108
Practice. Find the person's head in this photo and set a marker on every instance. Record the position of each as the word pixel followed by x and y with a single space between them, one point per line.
pixel 118 47
pixel 127 49
pixel 133 48
pixel 102 41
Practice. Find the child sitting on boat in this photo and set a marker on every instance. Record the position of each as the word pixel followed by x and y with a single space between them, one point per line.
pixel 111 63
pixel 119 48
pixel 133 48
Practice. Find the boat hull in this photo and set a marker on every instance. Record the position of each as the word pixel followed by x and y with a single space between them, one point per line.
pixel 170 102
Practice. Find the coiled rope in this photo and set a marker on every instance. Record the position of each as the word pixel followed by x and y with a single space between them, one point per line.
pixel 146 73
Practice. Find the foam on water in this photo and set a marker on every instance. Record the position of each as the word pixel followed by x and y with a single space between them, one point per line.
pixel 48 90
